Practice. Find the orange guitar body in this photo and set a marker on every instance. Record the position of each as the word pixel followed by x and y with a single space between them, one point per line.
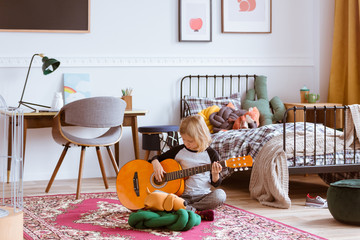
pixel 137 175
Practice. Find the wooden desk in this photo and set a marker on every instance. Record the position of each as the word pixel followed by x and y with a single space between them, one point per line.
pixel 319 116
pixel 45 119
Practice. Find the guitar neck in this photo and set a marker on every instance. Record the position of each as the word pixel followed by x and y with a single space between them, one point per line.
pixel 190 171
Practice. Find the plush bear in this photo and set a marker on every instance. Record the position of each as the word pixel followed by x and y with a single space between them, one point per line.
pixel 161 201
pixel 224 118
pixel 262 103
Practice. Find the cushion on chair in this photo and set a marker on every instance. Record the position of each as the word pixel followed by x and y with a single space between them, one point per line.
pixel 108 138
pixel 343 199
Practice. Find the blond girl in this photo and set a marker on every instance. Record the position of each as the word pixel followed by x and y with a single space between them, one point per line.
pixel 196 151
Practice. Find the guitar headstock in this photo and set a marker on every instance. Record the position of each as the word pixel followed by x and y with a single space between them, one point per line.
pixel 239 163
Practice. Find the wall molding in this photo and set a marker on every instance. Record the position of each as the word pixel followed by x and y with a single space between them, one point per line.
pixel 163 62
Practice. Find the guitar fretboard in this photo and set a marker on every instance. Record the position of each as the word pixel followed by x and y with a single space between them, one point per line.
pixel 189 171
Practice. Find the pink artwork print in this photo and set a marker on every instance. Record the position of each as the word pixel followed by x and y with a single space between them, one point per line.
pixel 247 5
pixel 196 24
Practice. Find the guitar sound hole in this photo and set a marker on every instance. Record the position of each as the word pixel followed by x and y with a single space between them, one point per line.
pixel 157 184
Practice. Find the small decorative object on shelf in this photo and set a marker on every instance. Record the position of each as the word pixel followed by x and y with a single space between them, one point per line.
pixel 312 97
pixel 127 97
pixel 11 172
pixel 303 91
pixel 58 101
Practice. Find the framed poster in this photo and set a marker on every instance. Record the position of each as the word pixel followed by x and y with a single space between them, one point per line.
pixel 76 86
pixel 246 16
pixel 195 20
pixel 45 16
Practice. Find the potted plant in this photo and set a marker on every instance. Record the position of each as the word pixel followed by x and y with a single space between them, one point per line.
pixel 127 97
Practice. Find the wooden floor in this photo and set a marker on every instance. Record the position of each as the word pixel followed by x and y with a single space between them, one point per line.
pixel 313 220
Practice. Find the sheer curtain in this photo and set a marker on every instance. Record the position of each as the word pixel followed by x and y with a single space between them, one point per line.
pixel 344 86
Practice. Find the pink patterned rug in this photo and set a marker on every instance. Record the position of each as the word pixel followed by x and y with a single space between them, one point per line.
pixel 101 216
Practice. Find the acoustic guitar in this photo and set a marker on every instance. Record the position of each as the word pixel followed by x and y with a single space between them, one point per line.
pixel 138 175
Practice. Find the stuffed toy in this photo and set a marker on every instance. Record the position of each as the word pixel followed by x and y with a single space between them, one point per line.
pixel 262 103
pixel 205 113
pixel 161 201
pixel 249 120
pixel 224 118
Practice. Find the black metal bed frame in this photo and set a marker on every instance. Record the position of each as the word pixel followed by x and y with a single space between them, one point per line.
pixel 325 168
pixel 199 86
pixel 207 86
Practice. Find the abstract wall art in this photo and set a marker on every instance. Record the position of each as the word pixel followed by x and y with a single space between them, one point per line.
pixel 246 16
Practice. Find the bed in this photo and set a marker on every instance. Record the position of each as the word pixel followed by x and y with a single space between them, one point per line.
pixel 278 149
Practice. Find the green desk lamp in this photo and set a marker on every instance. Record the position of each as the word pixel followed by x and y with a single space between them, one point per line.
pixel 49 65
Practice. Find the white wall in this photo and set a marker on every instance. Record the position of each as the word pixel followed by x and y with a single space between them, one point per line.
pixel 135 44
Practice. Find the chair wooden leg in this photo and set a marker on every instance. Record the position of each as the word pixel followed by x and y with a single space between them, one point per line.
pixel 147 154
pixel 102 167
pixel 115 165
pixel 57 168
pixel 82 156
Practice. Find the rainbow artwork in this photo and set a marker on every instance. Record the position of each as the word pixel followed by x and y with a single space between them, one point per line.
pixel 76 86
pixel 69 89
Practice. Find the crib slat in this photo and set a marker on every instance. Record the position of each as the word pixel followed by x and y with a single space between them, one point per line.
pixel 215 85
pixel 305 136
pixel 247 83
pixel 223 85
pixel 198 85
pixel 354 143
pixel 206 85
pixel 294 137
pixel 344 132
pixel 324 163
pixel 315 135
pixel 334 134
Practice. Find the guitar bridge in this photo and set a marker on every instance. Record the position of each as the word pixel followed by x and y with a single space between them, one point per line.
pixel 136 184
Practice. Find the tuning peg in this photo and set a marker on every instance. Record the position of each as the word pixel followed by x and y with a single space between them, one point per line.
pixel 246 169
pixel 235 169
pixel 241 169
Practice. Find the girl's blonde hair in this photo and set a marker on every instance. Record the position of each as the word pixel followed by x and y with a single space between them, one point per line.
pixel 195 127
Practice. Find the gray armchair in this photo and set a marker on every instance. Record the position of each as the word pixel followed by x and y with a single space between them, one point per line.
pixel 93 113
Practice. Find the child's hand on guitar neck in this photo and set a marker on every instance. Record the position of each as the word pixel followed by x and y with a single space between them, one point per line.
pixel 158 170
pixel 215 170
